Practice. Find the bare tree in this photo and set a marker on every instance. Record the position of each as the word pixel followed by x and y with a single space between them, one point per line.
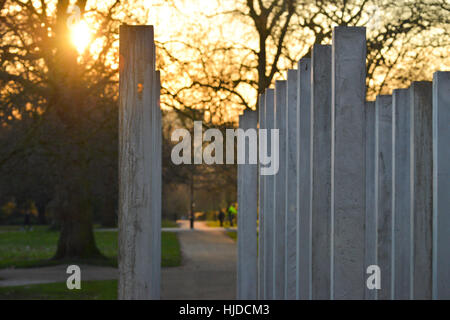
pixel 71 96
pixel 277 33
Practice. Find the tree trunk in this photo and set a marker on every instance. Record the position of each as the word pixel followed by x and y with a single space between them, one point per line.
pixel 76 239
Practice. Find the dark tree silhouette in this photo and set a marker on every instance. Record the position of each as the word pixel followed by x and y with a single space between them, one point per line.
pixel 71 98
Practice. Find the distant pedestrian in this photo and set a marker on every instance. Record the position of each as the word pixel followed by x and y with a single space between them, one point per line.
pixel 221 217
pixel 231 213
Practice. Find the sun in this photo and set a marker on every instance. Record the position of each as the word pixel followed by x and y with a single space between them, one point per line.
pixel 81 35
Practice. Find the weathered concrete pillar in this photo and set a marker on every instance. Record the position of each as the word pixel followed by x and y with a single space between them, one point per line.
pixel 320 164
pixel 383 191
pixel 269 204
pixel 304 182
pixel 348 163
pixel 370 220
pixel 247 268
pixel 139 166
pixel 401 196
pixel 291 185
pixel 421 187
pixel 280 195
pixel 441 185
pixel 261 209
pixel 156 185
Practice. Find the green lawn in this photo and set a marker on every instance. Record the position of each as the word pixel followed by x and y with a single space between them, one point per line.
pixel 226 224
pixel 215 224
pixel 36 247
pixel 90 290
pixel 169 224
pixel 232 235
pixel 170 250
pixel 164 224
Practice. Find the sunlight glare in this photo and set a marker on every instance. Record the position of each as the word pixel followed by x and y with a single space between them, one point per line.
pixel 81 36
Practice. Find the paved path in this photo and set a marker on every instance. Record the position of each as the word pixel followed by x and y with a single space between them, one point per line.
pixel 208 268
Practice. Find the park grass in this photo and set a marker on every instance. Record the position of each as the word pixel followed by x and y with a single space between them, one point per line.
pixel 170 250
pixel 226 224
pixel 7 228
pixel 169 224
pixel 216 224
pixel 232 235
pixel 90 290
pixel 26 249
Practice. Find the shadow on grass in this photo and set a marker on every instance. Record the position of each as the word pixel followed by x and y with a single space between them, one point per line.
pixel 19 249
